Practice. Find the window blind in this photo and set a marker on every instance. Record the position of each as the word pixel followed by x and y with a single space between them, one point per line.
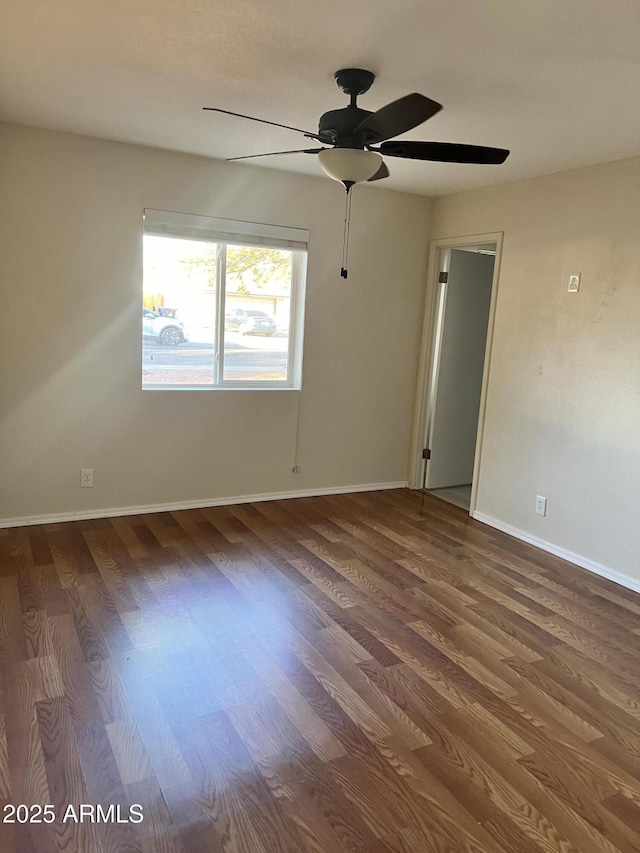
pixel 209 228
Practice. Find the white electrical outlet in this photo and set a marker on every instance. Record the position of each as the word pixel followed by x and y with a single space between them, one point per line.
pixel 541 505
pixel 574 282
pixel 86 478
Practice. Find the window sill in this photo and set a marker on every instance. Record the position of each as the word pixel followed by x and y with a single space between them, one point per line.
pixel 221 388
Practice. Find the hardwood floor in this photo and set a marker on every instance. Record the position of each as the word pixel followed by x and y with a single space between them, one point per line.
pixel 370 673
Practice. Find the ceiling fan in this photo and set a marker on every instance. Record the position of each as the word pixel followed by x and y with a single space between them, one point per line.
pixel 354 139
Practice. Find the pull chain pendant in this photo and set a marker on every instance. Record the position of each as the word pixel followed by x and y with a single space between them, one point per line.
pixel 344 272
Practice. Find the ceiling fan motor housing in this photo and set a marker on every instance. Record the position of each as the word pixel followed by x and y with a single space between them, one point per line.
pixel 338 126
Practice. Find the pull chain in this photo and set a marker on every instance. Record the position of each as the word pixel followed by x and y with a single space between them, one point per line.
pixel 345 239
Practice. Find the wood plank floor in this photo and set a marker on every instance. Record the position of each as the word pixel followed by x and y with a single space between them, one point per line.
pixel 371 673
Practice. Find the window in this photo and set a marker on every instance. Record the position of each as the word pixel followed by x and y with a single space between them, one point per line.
pixel 222 303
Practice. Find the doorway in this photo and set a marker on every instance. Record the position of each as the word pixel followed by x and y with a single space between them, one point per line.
pixel 454 375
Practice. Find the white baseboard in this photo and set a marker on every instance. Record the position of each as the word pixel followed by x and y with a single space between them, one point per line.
pixel 56 518
pixel 577 559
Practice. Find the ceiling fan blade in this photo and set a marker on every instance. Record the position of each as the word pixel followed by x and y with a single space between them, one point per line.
pixel 398 117
pixel 273 154
pixel 382 172
pixel 445 152
pixel 264 121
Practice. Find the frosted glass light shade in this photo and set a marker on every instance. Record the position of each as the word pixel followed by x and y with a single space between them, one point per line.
pixel 349 165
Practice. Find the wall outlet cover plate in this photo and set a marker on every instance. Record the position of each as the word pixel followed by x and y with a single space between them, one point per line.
pixel 574 282
pixel 541 505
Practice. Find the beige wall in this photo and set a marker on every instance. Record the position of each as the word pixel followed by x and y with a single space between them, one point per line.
pixel 563 407
pixel 70 279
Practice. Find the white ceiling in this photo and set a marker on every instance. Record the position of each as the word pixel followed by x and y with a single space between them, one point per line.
pixel 556 81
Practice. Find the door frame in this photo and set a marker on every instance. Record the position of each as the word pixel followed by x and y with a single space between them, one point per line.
pixel 430 350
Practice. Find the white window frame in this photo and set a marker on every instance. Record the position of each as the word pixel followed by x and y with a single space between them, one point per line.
pixel 227 232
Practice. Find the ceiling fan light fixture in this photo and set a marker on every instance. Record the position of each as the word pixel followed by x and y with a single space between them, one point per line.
pixel 349 165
